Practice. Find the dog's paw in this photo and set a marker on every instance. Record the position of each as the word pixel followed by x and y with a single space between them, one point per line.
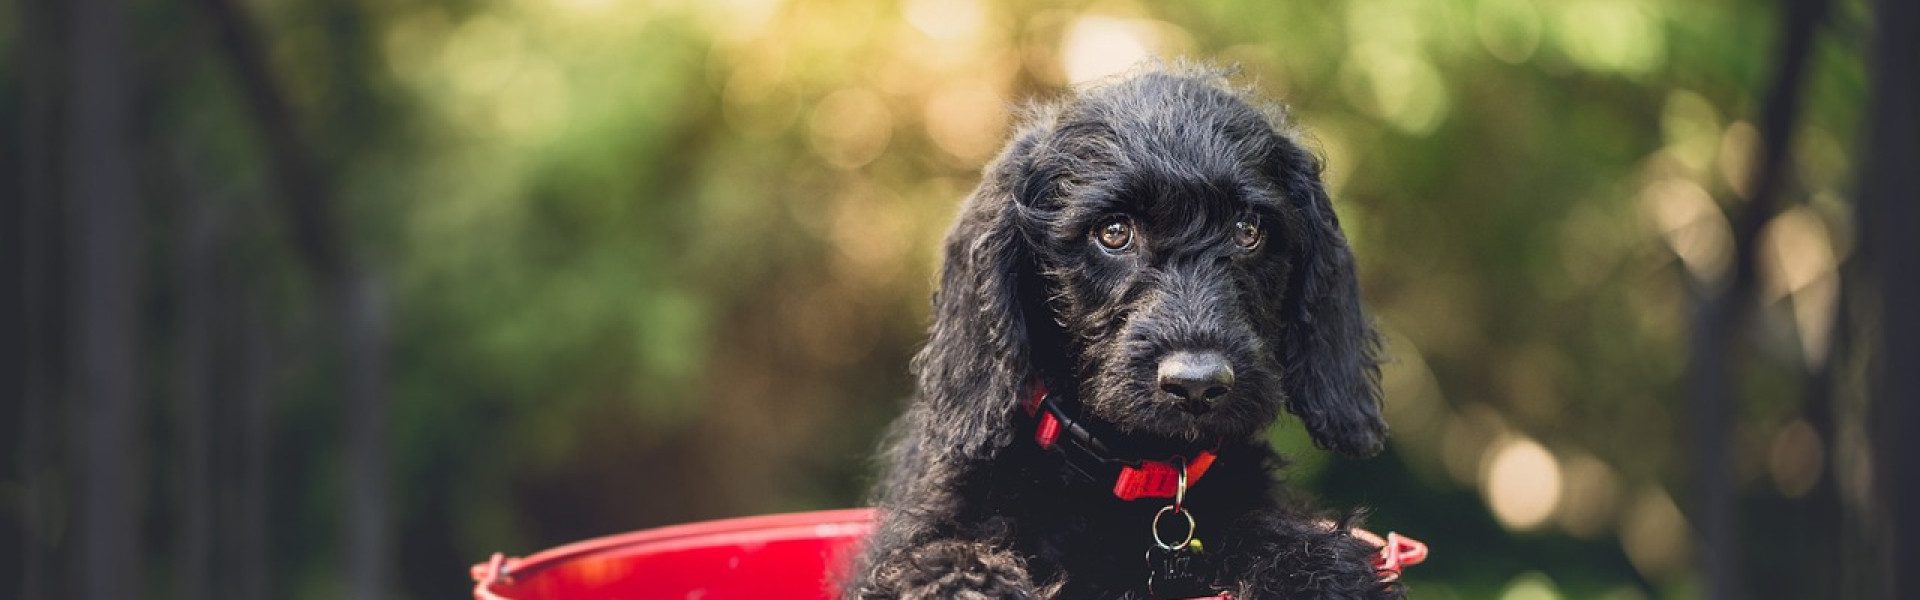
pixel 1288 557
pixel 951 569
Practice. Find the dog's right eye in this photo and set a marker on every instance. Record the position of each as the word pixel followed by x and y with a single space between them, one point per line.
pixel 1114 234
pixel 1247 233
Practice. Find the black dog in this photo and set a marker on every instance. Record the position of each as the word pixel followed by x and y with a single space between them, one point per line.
pixel 1156 258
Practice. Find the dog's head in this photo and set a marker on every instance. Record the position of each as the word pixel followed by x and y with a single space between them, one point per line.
pixel 1166 250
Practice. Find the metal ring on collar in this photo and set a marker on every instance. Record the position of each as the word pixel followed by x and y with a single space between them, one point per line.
pixel 1191 526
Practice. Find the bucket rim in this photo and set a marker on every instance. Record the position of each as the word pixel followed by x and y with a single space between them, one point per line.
pixel 845 521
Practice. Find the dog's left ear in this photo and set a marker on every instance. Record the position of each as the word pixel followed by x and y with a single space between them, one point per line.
pixel 1331 351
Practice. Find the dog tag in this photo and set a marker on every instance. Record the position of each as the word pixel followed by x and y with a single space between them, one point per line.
pixel 1177 569
pixel 1178 573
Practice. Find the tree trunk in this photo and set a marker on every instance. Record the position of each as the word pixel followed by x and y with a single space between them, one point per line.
pixel 253 403
pixel 105 289
pixel 356 302
pixel 1888 215
pixel 193 349
pixel 41 230
pixel 1721 315
pixel 365 317
pixel 1821 510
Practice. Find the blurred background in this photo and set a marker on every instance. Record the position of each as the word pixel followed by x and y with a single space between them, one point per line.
pixel 320 299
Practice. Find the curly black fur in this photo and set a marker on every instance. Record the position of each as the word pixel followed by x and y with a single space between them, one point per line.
pixel 1026 294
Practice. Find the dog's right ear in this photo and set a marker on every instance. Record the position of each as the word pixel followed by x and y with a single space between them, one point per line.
pixel 976 365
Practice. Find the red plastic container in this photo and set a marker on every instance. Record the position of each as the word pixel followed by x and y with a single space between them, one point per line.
pixel 790 556
pixel 798 555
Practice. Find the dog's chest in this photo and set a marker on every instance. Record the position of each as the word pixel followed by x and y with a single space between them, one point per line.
pixel 1109 552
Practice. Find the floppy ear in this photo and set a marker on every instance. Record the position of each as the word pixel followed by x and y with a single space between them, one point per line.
pixel 976 365
pixel 1331 351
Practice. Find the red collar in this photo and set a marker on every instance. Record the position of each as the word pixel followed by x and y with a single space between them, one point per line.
pixel 1132 479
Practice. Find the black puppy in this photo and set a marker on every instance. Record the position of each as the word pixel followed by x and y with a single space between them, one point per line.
pixel 1146 274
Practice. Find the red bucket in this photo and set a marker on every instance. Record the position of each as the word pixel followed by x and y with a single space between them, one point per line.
pixel 799 555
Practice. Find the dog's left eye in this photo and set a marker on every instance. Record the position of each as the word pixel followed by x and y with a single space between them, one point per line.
pixel 1115 234
pixel 1247 234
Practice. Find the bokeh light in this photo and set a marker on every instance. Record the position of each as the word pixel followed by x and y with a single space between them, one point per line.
pixel 1589 497
pixel 1099 46
pixel 1521 482
pixel 1532 585
pixel 1799 262
pixel 1795 459
pixel 1508 29
pixel 1692 225
pixel 1655 535
pixel 850 127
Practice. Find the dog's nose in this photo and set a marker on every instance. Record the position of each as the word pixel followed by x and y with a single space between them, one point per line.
pixel 1196 376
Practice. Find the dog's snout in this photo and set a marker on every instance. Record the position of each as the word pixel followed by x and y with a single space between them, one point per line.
pixel 1196 376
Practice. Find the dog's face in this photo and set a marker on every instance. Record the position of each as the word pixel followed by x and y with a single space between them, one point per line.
pixel 1167 254
pixel 1167 278
pixel 1164 245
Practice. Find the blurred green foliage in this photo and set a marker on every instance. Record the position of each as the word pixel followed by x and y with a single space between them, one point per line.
pixel 659 261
